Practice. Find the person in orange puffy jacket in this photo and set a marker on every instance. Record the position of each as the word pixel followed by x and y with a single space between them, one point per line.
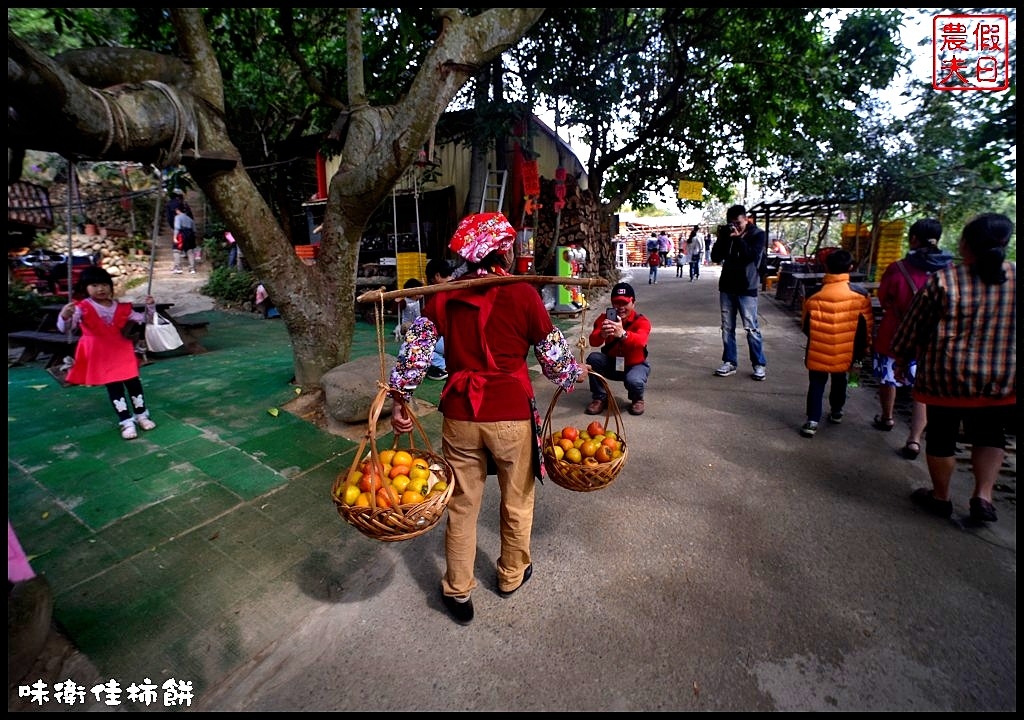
pixel 837 321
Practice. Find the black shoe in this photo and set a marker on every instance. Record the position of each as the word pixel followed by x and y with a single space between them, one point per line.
pixel 462 612
pixel 436 373
pixel 527 574
pixel 981 511
pixel 924 498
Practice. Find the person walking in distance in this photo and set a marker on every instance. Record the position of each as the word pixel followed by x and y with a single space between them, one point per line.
pixel 488 405
pixel 961 328
pixel 653 261
pixel 622 336
pixel 184 240
pixel 665 248
pixel 738 249
pixel 899 283
pixel 696 252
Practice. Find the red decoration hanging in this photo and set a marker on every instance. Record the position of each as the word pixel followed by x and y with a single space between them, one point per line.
pixel 559 189
pixel 531 178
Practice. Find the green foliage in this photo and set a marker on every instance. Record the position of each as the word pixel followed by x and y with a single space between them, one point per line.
pixel 663 94
pixel 229 286
pixel 24 307
pixel 215 251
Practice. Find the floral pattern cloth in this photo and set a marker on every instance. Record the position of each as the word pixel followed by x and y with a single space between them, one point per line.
pixel 481 234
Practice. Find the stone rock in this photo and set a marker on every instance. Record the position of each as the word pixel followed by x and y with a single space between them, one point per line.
pixel 350 389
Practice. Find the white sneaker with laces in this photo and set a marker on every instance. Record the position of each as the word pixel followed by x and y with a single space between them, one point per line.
pixel 810 427
pixel 759 372
pixel 726 369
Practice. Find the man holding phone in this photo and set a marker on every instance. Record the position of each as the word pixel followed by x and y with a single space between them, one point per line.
pixel 622 334
pixel 738 248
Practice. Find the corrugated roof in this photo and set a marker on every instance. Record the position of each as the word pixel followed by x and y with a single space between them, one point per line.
pixel 29 204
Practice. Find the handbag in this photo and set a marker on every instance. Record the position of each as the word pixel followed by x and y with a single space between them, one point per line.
pixel 161 335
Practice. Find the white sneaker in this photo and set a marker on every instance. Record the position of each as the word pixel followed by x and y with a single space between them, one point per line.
pixel 176 271
pixel 145 423
pixel 128 431
pixel 726 369
pixel 759 372
pixel 191 272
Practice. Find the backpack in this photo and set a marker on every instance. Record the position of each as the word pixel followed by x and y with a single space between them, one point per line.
pixel 654 259
pixel 763 270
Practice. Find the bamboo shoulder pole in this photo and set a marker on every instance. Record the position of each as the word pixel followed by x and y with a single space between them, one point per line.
pixel 382 296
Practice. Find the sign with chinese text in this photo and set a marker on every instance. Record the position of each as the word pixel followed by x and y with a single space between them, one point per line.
pixel 691 190
pixel 970 52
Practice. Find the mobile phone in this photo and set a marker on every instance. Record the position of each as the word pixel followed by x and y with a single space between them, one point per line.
pixel 612 314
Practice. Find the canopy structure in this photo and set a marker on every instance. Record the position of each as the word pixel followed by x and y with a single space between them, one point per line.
pixel 795 210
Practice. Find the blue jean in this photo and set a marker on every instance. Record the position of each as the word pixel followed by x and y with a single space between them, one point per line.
pixel 634 378
pixel 746 306
pixel 652 275
pixel 695 267
pixel 816 391
pixel 437 359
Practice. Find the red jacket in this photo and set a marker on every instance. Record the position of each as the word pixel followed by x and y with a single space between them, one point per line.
pixel 633 347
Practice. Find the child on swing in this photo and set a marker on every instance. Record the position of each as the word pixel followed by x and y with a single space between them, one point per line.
pixel 104 356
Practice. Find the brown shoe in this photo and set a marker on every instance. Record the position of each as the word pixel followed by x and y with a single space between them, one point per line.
pixel 637 408
pixel 596 407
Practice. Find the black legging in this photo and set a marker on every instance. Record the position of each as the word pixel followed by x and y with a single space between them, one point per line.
pixel 127 410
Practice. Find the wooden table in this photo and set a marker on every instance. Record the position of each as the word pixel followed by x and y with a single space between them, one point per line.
pixel 806 284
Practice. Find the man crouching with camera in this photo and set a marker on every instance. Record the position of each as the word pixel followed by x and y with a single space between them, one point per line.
pixel 621 333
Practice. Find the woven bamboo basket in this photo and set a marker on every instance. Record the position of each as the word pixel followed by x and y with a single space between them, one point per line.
pixel 584 478
pixel 398 522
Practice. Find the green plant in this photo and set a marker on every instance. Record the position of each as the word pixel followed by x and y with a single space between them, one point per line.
pixel 215 251
pixel 24 307
pixel 135 282
pixel 231 286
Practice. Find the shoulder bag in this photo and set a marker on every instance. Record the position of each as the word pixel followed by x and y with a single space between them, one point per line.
pixel 161 335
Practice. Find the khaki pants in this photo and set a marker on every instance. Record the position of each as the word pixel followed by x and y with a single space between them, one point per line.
pixel 465 445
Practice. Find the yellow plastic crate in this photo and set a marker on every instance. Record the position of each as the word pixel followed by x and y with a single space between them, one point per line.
pixel 411 265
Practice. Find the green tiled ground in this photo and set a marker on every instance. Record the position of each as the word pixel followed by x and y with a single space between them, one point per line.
pixel 211 507
pixel 149 544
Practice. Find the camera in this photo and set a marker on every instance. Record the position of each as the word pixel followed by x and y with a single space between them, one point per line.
pixel 612 314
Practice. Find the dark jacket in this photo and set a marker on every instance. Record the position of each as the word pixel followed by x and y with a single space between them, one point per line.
pixel 739 257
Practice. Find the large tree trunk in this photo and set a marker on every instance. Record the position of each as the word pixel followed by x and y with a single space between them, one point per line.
pixel 123 104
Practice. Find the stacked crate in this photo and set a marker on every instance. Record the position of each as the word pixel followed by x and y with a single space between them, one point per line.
pixel 889 248
pixel 851 233
pixel 411 265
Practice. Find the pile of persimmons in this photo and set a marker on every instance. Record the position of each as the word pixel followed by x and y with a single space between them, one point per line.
pixel 399 479
pixel 593 445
